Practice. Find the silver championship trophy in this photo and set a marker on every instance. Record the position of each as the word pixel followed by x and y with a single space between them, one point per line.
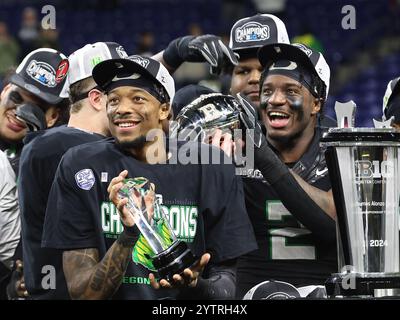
pixel 198 121
pixel 364 170
pixel 157 248
pixel 205 114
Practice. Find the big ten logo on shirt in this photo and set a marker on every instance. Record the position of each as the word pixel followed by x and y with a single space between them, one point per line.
pixel 182 219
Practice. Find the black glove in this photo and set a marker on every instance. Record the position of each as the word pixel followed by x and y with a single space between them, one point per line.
pixel 32 115
pixel 248 117
pixel 205 48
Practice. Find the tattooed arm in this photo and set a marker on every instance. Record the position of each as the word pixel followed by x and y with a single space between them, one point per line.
pixel 89 278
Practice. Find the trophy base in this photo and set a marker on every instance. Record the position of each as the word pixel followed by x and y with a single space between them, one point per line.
pixel 348 285
pixel 173 260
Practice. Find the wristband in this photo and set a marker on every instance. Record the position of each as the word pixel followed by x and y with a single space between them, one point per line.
pixel 129 236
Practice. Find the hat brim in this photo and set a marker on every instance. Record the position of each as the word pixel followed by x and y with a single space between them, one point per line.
pixel 247 53
pixel 270 53
pixel 45 96
pixel 105 71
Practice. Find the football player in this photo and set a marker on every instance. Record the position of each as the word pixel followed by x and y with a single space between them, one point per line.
pixel 289 198
pixel 35 98
pixel 103 254
pixel 41 155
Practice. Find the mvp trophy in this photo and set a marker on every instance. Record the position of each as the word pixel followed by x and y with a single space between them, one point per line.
pixel 158 249
pixel 364 169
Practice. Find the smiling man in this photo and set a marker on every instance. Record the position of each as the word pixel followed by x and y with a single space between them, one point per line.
pixel 34 98
pixel 240 59
pixel 38 88
pixel 289 200
pixel 150 106
pixel 102 256
pixel 88 122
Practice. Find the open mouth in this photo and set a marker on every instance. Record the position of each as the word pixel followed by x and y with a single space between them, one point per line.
pixel 15 124
pixel 278 119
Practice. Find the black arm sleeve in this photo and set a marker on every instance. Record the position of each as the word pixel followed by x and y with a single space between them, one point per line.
pixel 293 196
pixel 218 282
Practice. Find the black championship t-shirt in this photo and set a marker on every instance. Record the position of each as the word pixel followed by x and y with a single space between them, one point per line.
pixel 204 203
pixel 287 250
pixel 38 164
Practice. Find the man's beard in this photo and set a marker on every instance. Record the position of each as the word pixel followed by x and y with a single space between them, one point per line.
pixel 136 143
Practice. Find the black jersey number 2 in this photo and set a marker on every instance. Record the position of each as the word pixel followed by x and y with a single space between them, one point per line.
pixel 286 240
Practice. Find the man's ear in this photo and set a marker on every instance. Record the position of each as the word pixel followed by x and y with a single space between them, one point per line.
pixel 52 114
pixel 316 107
pixel 4 91
pixel 95 97
pixel 164 110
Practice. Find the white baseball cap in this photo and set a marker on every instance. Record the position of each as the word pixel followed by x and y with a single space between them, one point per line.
pixel 392 89
pixel 115 70
pixel 83 60
pixel 390 108
pixel 258 30
pixel 298 52
pixel 272 290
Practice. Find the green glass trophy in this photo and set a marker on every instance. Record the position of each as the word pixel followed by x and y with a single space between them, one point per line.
pixel 158 248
